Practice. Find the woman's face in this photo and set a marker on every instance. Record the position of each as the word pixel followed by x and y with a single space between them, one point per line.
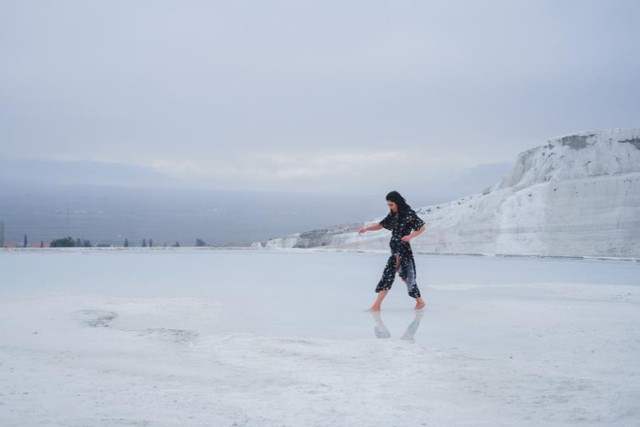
pixel 392 206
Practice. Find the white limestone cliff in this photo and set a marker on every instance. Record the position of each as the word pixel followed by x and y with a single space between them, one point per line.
pixel 577 195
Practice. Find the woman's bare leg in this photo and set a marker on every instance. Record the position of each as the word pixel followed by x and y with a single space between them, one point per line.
pixel 419 301
pixel 376 305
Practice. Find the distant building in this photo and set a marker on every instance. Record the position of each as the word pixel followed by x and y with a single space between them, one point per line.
pixel 1 234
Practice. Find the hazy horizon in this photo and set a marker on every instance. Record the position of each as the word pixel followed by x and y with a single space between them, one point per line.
pixel 319 108
pixel 52 204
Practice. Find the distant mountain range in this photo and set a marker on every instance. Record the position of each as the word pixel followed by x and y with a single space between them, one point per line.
pixel 576 195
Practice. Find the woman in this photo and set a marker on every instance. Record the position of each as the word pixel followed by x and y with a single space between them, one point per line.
pixel 404 224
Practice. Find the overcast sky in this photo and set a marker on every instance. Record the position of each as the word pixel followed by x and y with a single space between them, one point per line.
pixel 326 95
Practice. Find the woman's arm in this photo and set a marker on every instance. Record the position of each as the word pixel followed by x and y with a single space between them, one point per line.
pixel 415 233
pixel 370 228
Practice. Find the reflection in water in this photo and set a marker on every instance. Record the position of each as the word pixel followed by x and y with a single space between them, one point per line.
pixel 381 330
pixel 412 328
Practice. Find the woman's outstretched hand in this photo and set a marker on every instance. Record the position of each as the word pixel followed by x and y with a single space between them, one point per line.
pixel 371 227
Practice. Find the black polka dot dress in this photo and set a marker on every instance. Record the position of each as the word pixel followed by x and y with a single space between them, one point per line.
pixel 401 259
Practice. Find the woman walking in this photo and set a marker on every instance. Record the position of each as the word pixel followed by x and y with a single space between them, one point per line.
pixel 404 224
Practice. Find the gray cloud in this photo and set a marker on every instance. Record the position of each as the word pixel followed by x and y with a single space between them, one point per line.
pixel 317 94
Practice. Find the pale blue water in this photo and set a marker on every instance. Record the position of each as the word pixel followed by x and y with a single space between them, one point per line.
pixel 108 215
pixel 307 293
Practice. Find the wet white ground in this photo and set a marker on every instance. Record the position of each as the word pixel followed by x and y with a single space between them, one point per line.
pixel 272 338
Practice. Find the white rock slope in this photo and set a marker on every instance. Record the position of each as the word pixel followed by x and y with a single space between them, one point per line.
pixel 577 195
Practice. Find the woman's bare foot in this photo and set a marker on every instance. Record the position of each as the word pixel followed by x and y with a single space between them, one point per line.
pixel 419 304
pixel 378 302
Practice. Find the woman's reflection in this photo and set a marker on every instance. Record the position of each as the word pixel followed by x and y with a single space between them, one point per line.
pixel 381 330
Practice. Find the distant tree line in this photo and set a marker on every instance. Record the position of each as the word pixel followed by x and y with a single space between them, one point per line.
pixel 69 242
pixel 149 243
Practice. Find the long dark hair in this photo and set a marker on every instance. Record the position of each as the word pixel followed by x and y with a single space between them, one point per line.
pixel 396 198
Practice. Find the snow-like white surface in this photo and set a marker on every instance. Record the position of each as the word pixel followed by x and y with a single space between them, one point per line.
pixel 582 155
pixel 279 338
pixel 577 195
